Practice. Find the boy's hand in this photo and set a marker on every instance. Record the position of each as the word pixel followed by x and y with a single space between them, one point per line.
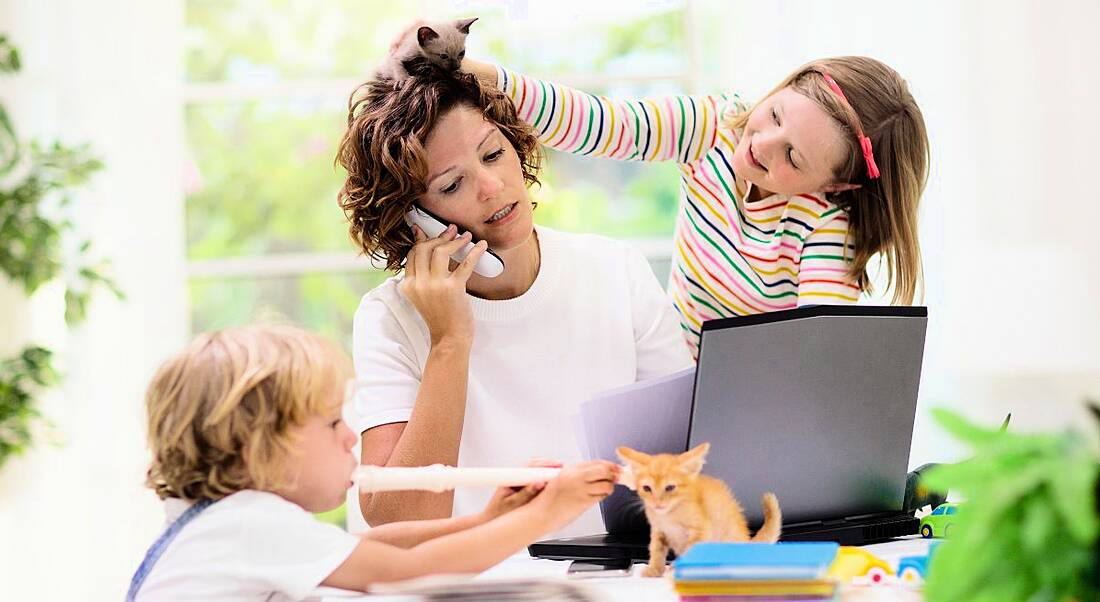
pixel 438 293
pixel 576 489
pixel 506 499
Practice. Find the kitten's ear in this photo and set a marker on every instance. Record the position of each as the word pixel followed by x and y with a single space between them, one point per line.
pixel 631 456
pixel 693 459
pixel 425 34
pixel 463 25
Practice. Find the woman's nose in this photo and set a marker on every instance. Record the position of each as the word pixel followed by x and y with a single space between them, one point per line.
pixel 489 185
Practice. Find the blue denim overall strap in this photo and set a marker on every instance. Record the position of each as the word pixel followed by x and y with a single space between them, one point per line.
pixel 161 543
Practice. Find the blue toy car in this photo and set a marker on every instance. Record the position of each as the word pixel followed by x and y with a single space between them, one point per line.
pixel 913 570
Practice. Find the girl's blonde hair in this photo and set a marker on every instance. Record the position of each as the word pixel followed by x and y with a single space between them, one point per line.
pixel 219 412
pixel 882 213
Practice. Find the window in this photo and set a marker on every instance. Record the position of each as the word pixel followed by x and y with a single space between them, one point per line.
pixel 265 96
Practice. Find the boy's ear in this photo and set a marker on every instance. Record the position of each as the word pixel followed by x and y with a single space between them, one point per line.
pixel 840 187
pixel 631 456
pixel 692 460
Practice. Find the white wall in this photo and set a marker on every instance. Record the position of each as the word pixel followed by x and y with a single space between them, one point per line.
pixel 1008 91
pixel 75 519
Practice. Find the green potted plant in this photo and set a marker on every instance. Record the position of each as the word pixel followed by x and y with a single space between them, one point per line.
pixel 1030 531
pixel 35 180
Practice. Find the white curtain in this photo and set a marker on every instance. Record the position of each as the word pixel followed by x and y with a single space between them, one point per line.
pixel 1008 91
pixel 75 518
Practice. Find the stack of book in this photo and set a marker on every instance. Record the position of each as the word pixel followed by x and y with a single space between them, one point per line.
pixel 756 571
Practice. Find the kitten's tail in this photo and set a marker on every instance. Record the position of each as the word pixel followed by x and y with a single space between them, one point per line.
pixel 773 520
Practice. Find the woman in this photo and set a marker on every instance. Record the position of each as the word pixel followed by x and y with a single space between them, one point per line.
pixel 570 316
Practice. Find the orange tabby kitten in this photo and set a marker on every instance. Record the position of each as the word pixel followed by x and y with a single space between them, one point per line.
pixel 684 507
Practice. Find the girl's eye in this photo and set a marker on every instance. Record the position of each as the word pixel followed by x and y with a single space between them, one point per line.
pixel 335 423
pixel 494 156
pixel 670 487
pixel 453 187
pixel 790 157
pixel 775 117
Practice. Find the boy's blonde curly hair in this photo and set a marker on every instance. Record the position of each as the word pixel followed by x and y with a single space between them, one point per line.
pixel 220 411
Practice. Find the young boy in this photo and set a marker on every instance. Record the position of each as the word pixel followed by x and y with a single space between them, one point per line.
pixel 247 440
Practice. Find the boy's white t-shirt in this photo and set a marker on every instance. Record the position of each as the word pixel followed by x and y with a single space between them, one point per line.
pixel 251 545
pixel 595 318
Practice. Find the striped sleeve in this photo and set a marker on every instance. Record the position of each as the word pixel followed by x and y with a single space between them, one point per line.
pixel 671 128
pixel 823 268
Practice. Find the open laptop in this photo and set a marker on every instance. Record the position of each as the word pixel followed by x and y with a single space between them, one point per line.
pixel 816 404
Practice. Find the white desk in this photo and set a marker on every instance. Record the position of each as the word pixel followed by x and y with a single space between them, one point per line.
pixel 638 589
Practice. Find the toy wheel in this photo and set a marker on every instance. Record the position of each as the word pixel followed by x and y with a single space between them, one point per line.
pixel 947 530
pixel 911 576
pixel 876 576
pixel 926 531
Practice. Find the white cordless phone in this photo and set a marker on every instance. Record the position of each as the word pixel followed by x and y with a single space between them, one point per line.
pixel 489 264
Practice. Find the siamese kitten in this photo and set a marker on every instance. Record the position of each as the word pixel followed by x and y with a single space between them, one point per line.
pixel 442 44
pixel 684 507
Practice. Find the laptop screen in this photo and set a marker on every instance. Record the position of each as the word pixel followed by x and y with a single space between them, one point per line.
pixel 815 404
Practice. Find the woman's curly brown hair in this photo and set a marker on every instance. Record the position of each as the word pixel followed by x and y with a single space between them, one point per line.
pixel 383 150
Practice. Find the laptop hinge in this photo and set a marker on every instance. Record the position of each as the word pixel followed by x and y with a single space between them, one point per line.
pixel 799 525
pixel 873 515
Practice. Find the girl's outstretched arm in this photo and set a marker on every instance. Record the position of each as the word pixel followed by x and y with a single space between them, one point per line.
pixel 669 128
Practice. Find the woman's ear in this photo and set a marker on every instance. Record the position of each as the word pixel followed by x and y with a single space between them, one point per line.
pixel 840 187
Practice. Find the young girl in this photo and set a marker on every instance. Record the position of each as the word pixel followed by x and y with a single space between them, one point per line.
pixel 247 440
pixel 783 203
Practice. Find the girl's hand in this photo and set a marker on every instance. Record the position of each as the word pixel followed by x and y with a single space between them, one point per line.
pixel 506 499
pixel 575 489
pixel 438 293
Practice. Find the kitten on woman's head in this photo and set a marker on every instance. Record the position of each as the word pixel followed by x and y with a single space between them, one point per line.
pixel 684 507
pixel 443 44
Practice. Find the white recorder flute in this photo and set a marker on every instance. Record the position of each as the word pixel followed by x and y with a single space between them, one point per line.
pixel 438 477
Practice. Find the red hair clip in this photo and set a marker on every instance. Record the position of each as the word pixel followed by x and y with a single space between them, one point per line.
pixel 864 141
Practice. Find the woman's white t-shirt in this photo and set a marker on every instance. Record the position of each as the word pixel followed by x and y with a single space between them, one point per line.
pixel 251 545
pixel 595 318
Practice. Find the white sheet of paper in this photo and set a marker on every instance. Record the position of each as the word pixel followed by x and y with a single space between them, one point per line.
pixel 651 416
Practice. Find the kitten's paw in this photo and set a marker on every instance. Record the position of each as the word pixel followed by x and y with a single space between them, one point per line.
pixel 653 571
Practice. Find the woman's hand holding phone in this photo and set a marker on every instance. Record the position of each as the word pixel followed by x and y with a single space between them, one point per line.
pixel 438 293
pixel 489 265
